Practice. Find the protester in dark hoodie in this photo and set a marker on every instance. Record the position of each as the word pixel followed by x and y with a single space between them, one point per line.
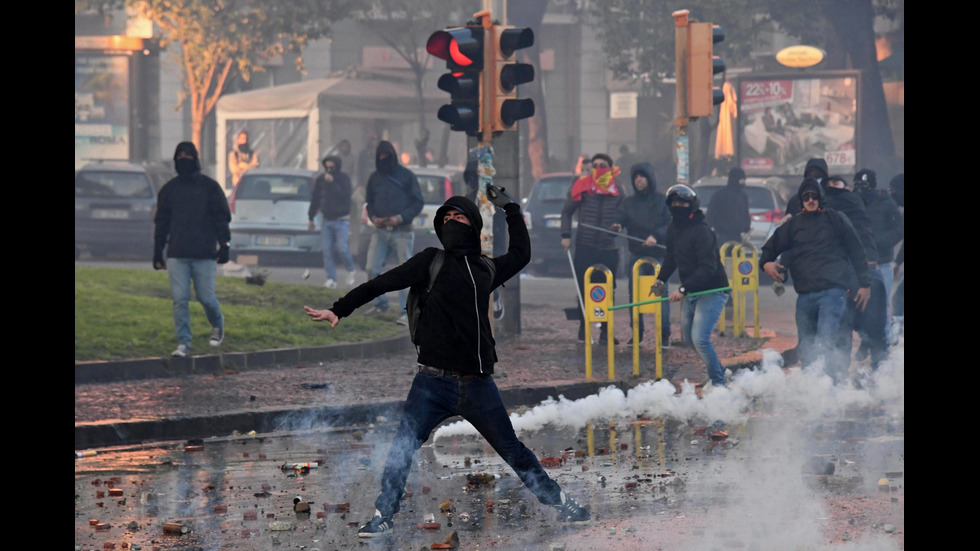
pixel 692 250
pixel 827 256
pixel 331 198
pixel 815 169
pixel 728 210
pixel 456 352
pixel 393 200
pixel 645 216
pixel 192 224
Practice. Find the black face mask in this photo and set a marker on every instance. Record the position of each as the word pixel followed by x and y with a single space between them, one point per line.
pixel 459 238
pixel 386 165
pixel 185 167
pixel 681 214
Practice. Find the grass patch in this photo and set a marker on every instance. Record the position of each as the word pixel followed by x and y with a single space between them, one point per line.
pixel 122 314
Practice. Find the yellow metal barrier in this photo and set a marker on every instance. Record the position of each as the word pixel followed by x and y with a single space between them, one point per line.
pixel 742 268
pixel 643 291
pixel 598 299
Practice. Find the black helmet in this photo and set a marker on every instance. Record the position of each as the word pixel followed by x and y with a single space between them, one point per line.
pixel 683 193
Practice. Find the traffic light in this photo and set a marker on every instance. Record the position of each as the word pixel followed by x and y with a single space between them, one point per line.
pixel 702 66
pixel 462 48
pixel 507 75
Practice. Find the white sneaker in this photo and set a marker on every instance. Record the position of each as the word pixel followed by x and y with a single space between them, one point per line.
pixel 350 280
pixel 331 283
pixel 182 350
pixel 217 335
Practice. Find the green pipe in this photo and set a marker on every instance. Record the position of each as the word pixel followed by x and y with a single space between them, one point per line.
pixel 662 299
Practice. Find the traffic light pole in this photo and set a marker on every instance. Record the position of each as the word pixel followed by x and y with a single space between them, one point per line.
pixel 682 147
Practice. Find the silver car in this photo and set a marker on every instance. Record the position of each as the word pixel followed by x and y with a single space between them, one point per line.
pixel 766 205
pixel 269 215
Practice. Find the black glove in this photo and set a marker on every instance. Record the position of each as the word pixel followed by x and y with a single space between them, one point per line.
pixel 223 254
pixel 158 262
pixel 498 197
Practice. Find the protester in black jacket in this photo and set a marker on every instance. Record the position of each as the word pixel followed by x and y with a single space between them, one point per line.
pixel 331 198
pixel 692 250
pixel 871 322
pixel 728 210
pixel 645 217
pixel 594 197
pixel 191 222
pixel 827 256
pixel 456 352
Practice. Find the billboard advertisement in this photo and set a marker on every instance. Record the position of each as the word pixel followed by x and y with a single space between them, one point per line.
pixel 785 120
pixel 101 107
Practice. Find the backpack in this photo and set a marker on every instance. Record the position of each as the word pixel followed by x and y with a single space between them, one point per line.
pixel 415 301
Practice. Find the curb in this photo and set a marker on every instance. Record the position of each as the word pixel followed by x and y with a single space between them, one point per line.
pixel 100 435
pixel 158 368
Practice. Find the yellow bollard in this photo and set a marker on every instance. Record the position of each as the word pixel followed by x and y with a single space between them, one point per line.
pixel 727 253
pixel 642 291
pixel 598 299
pixel 745 280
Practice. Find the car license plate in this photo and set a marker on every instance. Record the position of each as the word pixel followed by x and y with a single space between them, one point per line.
pixel 272 240
pixel 551 223
pixel 110 214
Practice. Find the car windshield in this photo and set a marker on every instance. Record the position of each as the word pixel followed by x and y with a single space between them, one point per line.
pixel 433 188
pixel 274 187
pixel 552 189
pixel 120 185
pixel 760 198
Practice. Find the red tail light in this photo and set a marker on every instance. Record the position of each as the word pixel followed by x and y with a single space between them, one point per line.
pixel 447 188
pixel 774 215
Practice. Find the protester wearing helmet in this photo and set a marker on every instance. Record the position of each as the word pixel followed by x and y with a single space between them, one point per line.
pixel 692 250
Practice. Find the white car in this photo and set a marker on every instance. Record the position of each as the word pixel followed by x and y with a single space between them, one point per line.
pixel 269 217
pixel 766 205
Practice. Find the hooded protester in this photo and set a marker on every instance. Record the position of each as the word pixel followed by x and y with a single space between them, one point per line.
pixel 815 169
pixel 331 198
pixel 827 256
pixel 191 223
pixel 456 353
pixel 728 210
pixel 692 250
pixel 394 199
pixel 645 216
pixel 241 158
pixel 594 197
pixel 887 222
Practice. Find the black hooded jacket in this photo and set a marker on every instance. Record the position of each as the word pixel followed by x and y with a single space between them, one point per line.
pixel 393 190
pixel 644 214
pixel 453 330
pixel 728 210
pixel 692 250
pixel 827 252
pixel 192 214
pixel 331 198
pixel 817 169
pixel 852 206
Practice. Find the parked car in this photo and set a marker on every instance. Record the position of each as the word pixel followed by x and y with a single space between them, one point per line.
pixel 437 185
pixel 114 207
pixel 542 214
pixel 269 217
pixel 766 206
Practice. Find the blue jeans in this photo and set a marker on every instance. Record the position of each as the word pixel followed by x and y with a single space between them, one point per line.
pixel 699 315
pixel 435 397
pixel 818 318
pixel 336 236
pixel 383 244
pixel 201 271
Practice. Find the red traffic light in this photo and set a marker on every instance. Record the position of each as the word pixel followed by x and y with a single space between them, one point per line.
pixel 461 47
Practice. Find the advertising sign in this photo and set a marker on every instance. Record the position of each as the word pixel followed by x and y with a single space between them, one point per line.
pixel 101 107
pixel 786 120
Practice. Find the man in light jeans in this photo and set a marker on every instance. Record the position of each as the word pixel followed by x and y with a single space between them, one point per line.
pixel 182 272
pixel 699 315
pixel 398 241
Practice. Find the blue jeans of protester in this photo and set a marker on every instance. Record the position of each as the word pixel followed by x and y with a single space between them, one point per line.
pixel 818 318
pixel 437 396
pixel 699 315
pixel 200 271
pixel 336 237
pixel 384 243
